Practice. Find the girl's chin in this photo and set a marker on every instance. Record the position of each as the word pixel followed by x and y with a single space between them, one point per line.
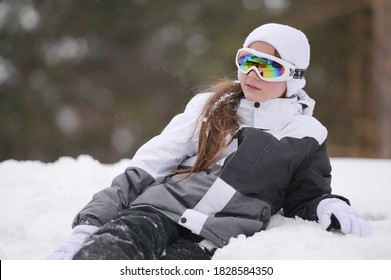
pixel 254 96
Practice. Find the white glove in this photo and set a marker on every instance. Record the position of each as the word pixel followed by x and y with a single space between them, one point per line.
pixel 350 221
pixel 69 248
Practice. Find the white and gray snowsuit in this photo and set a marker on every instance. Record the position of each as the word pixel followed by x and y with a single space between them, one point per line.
pixel 278 161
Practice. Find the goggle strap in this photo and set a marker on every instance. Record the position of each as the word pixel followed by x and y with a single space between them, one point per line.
pixel 299 73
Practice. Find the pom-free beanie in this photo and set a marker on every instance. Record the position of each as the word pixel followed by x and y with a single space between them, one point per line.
pixel 291 44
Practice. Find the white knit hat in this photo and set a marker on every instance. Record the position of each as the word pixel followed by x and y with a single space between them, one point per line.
pixel 291 44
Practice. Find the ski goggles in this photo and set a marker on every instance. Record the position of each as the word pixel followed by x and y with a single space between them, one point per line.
pixel 268 67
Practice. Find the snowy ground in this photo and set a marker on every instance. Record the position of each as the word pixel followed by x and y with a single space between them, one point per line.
pixel 38 202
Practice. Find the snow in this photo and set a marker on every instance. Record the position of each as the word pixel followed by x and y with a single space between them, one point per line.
pixel 39 200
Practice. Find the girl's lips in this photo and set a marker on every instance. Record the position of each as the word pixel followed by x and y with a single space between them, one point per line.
pixel 250 86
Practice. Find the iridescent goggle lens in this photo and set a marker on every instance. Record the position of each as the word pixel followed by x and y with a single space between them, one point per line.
pixel 267 67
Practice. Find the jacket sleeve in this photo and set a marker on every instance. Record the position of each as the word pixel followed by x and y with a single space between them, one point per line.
pixel 309 185
pixel 106 204
pixel 154 160
pixel 177 142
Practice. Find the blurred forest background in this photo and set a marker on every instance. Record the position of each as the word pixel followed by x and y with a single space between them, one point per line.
pixel 102 77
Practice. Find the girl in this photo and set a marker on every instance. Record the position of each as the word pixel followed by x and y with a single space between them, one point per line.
pixel 237 155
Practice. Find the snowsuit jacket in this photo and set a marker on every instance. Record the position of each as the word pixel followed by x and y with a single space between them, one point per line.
pixel 278 160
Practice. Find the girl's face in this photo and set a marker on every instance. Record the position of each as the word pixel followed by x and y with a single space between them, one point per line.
pixel 253 87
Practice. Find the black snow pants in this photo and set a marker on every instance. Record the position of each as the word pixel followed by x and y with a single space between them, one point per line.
pixel 143 234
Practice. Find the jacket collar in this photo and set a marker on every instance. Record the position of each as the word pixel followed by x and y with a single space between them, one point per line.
pixel 273 114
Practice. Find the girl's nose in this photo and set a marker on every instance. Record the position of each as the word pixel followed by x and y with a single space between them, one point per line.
pixel 253 75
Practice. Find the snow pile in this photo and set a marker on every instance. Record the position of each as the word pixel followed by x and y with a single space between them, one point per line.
pixel 38 202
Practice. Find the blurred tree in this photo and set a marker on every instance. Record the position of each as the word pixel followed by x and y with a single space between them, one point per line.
pixel 381 53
